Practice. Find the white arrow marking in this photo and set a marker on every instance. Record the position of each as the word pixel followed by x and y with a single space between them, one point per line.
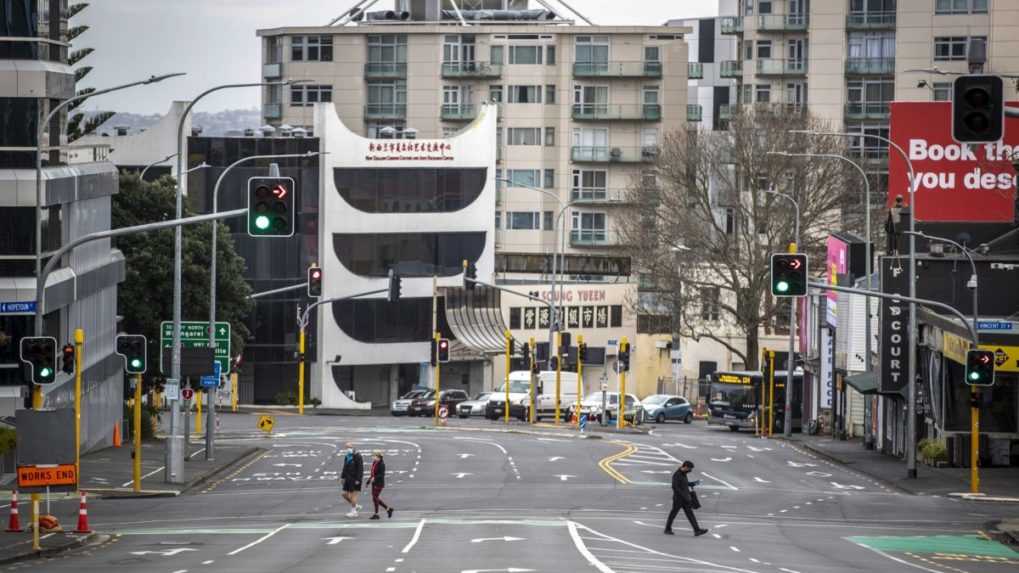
pixel 166 553
pixel 507 538
pixel 800 465
pixel 556 458
pixel 838 485
pixel 721 459
pixel 818 474
pixel 334 540
pixel 656 472
pixel 564 477
pixel 679 445
pixel 759 480
pixel 508 570
pixel 464 456
pixel 461 475
pixel 287 465
pixel 728 447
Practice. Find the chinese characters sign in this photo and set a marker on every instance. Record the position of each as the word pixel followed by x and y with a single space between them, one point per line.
pixel 409 150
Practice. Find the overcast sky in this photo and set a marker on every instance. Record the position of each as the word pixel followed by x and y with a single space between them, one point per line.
pixel 214 42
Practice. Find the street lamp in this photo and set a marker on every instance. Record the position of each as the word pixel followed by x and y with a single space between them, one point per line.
pixel 911 368
pixel 154 163
pixel 38 171
pixel 787 419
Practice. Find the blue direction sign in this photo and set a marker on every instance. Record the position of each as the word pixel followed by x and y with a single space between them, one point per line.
pixel 996 325
pixel 210 382
pixel 27 307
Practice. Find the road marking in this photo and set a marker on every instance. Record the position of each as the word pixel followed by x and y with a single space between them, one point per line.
pixel 793 464
pixel 260 539
pixel 759 480
pixel 507 570
pixel 728 447
pixel 556 458
pixel 725 460
pixel 723 482
pixel 390 569
pixel 461 475
pixel 679 445
pixel 415 537
pixel 788 570
pixel 334 540
pixel 287 465
pixel 164 553
pixel 606 463
pixel 716 536
pixel 734 548
pixel 752 560
pixel 818 474
pixel 897 560
pixel 151 473
pixel 638 522
pixel 181 571
pixel 838 485
pixel 656 472
pixel 209 562
pixel 565 477
pixel 506 538
pixel 464 456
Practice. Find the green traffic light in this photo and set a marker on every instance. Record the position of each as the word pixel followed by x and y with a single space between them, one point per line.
pixel 974 376
pixel 262 222
pixel 782 286
pixel 136 363
pixel 45 372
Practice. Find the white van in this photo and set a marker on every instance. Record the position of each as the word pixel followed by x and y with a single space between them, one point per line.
pixel 520 395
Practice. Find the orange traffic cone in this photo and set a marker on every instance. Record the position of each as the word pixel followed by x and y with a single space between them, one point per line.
pixel 116 436
pixel 14 524
pixel 83 516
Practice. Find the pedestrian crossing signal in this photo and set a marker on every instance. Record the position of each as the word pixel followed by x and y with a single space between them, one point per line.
pixel 67 359
pixel 443 350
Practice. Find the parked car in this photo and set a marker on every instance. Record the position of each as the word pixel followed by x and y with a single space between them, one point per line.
pixel 399 407
pixel 591 405
pixel 520 395
pixel 475 407
pixel 664 407
pixel 425 405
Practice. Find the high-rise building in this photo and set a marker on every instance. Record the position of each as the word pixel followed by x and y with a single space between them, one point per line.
pixel 75 200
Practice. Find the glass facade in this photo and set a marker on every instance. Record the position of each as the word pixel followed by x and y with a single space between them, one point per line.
pixel 431 190
pixel 381 321
pixel 19 118
pixel 413 254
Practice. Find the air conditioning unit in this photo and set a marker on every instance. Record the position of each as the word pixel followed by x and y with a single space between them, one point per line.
pixel 616 154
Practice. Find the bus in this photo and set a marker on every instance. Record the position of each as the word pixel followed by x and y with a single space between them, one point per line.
pixel 735 396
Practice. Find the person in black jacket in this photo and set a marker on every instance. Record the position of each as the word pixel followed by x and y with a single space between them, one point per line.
pixel 682 498
pixel 377 479
pixel 351 477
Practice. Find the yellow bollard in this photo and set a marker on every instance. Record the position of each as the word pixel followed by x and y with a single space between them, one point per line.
pixel 198 418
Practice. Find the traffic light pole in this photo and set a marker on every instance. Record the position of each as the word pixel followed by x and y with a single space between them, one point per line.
pixel 438 381
pixel 509 338
pixel 136 469
pixel 580 375
pixel 621 417
pixel 558 371
pixel 79 348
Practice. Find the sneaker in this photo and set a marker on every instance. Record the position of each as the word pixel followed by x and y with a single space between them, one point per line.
pixel 374 516
pixel 351 513
pixel 357 507
pixel 390 512
pixel 669 532
pixel 699 532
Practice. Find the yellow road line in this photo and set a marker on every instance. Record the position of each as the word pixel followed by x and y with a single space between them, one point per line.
pixel 606 463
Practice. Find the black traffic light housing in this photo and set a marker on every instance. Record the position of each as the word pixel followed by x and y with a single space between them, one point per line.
pixel 978 109
pixel 788 274
pixel 314 281
pixel 581 352
pixel 433 356
pixel 132 347
pixel 565 340
pixel 512 344
pixel 40 353
pixel 624 356
pixel 442 352
pixel 67 359
pixel 271 207
pixel 980 368
pixel 470 274
pixel 395 286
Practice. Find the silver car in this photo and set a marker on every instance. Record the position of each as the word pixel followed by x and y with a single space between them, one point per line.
pixel 474 406
pixel 399 407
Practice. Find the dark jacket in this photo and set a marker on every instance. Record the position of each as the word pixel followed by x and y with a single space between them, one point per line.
pixel 378 474
pixel 353 468
pixel 681 489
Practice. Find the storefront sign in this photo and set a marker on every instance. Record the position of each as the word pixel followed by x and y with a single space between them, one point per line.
pixel 827 377
pixel 894 328
pixel 836 264
pixel 1006 358
pixel 409 150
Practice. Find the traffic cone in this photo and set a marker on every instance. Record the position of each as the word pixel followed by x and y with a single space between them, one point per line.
pixel 83 516
pixel 116 436
pixel 14 524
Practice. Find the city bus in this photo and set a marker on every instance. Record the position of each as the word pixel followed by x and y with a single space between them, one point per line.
pixel 734 399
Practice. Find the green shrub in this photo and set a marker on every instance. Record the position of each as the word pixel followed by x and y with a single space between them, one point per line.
pixel 932 450
pixel 8 440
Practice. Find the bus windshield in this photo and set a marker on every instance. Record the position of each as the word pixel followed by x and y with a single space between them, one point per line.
pixel 733 396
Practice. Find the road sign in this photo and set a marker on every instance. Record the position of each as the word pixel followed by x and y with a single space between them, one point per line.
pixel 17 307
pixel 210 382
pixel 47 476
pixel 265 423
pixel 996 325
pixel 172 389
pixel 187 393
pixel 194 334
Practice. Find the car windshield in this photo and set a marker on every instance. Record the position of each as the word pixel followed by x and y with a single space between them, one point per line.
pixel 427 395
pixel 595 399
pixel 516 387
pixel 655 399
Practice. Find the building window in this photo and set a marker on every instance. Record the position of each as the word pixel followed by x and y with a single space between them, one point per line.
pixel 311 48
pixel 525 55
pixel 748 94
pixel 730 220
pixel 387 49
pixel 763 48
pixel 592 49
pixel 589 226
pixel 952 48
pixel 549 179
pixel 709 304
pixel 495 94
pixel 868 147
pixel 306 95
pixel 524 177
pixel 498 219
pixel 525 94
pixel 748 7
pixel 387 96
pixel 549 136
pixel 550 55
pixel 547 221
pixel 409 190
pixel 414 254
pixel 496 55
pixel 871 45
pixel 764 7
pixel 869 96
pixel 652 54
pixel 960 6
pixel 589 184
pixel 524 136
pixel 942 91
pixel 523 220
pixel 550 93
pixel 763 93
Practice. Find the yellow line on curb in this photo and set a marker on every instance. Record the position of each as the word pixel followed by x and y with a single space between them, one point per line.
pixel 606 463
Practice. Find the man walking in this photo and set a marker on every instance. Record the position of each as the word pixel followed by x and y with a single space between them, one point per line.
pixel 351 476
pixel 683 498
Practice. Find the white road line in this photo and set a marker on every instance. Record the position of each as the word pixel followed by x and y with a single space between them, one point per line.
pixel 788 570
pixel 153 472
pixel 723 482
pixel 716 536
pixel 260 539
pixel 582 548
pixel 196 453
pixel 209 562
pixel 734 548
pixel 181 571
pixel 644 524
pixel 415 537
pixel 752 560
pixel 897 560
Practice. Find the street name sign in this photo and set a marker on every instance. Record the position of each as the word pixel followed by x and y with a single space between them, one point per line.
pixel 996 326
pixel 195 334
pixel 17 307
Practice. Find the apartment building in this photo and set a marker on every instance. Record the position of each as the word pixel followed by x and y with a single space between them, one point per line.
pixel 75 200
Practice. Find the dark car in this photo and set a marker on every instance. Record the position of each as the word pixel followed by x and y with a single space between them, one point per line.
pixel 425 405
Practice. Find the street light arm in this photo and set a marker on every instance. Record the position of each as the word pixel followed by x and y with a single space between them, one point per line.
pixel 964 251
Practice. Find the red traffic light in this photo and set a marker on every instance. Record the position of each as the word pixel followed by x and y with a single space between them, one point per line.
pixel 316 274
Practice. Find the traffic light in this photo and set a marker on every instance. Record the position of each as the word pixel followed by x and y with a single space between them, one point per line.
pixel 40 352
pixel 581 352
pixel 395 284
pixel 624 356
pixel 271 207
pixel 443 350
pixel 132 348
pixel 433 357
pixel 980 368
pixel 314 281
pixel 978 109
pixel 512 345
pixel 553 363
pixel 470 275
pixel 67 359
pixel 788 274
pixel 526 351
pixel 565 338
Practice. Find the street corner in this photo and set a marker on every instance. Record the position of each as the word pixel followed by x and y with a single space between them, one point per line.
pixel 942 552
pixel 17 547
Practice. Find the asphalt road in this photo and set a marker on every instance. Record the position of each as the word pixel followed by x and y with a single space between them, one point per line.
pixel 474 497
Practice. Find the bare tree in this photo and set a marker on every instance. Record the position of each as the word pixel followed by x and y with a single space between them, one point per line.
pixel 704 231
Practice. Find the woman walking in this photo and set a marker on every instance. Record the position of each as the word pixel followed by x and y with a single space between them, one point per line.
pixel 377 479
pixel 351 476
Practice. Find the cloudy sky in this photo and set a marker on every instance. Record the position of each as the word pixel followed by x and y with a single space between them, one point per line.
pixel 214 42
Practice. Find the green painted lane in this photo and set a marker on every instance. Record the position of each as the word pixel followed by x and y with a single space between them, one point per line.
pixel 971 545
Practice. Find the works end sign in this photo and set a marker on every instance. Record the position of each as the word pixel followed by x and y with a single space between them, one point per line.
pixel 955 182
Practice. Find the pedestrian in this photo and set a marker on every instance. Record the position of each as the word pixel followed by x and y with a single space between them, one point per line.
pixel 351 477
pixel 683 497
pixel 377 479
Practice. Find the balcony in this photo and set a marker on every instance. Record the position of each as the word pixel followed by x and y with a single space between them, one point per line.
pixel 385 111
pixel 694 112
pixel 593 238
pixel 458 112
pixel 870 66
pixel 385 71
pixel 870 20
pixel 272 111
pixel 272 71
pixel 694 71
pixel 731 69
pixel 470 70
pixel 617 70
pixel 782 23
pixel 616 112
pixel 773 67
pixel 606 154
pixel 599 196
pixel 867 110
pixel 732 25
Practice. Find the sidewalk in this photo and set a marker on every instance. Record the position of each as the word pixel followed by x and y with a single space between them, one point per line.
pixel 18 546
pixel 994 482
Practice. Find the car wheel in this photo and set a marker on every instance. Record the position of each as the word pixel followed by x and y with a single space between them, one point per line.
pixel 688 419
pixel 734 428
pixel 660 419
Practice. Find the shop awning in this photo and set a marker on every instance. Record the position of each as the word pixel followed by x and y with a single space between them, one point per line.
pixel 864 383
pixel 475 318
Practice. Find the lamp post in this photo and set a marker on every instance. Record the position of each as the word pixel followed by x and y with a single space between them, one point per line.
pixel 154 163
pixel 174 448
pixel 787 419
pixel 911 368
pixel 38 172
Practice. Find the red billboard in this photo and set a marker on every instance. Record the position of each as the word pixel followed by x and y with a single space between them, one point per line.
pixel 956 182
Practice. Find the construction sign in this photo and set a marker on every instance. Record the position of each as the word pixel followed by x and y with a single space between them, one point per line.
pixel 265 423
pixel 47 476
